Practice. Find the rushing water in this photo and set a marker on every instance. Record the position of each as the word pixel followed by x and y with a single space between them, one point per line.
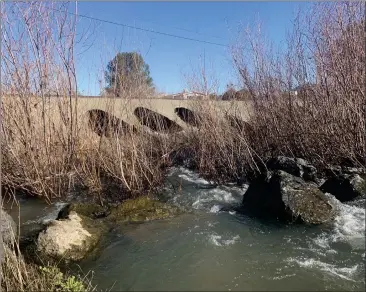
pixel 210 249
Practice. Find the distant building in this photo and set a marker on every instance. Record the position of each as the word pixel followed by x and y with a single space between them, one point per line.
pixel 302 89
pixel 187 95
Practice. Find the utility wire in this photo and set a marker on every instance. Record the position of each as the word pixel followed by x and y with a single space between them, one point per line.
pixel 140 28
pixel 183 29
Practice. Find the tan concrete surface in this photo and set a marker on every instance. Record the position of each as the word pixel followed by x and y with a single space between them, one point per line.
pixel 124 109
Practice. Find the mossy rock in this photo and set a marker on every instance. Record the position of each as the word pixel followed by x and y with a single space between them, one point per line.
pixel 286 197
pixel 93 211
pixel 97 229
pixel 345 187
pixel 303 200
pixel 69 240
pixel 137 210
pixel 310 205
pixel 142 209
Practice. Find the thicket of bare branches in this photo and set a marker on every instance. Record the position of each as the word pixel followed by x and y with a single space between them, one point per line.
pixel 325 120
pixel 37 62
pixel 47 149
pixel 307 100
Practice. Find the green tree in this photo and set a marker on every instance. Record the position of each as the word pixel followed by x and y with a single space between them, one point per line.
pixel 126 73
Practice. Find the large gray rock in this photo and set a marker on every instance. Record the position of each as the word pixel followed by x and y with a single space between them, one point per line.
pixel 354 170
pixel 8 227
pixel 332 171
pixel 71 238
pixel 345 187
pixel 284 196
pixel 296 166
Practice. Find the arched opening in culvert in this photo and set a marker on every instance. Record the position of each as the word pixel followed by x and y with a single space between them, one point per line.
pixel 155 121
pixel 188 116
pixel 106 124
pixel 239 124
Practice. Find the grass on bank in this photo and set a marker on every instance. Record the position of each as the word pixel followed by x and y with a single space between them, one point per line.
pixel 18 275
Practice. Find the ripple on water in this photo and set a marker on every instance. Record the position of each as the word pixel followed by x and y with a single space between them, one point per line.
pixel 345 273
pixel 189 176
pixel 268 256
pixel 52 215
pixel 197 196
pixel 218 240
pixel 348 227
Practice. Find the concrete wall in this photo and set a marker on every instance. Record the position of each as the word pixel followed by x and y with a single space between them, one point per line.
pixel 124 109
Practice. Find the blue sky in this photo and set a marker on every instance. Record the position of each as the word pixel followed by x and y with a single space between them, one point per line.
pixel 170 58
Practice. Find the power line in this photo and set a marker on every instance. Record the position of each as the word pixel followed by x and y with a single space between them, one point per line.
pixel 142 29
pixel 182 29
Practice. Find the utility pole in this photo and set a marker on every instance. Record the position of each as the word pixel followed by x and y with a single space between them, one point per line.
pixel 204 60
pixel 204 70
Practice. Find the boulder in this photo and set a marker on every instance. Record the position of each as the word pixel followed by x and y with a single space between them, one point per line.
pixel 90 210
pixel 345 187
pixel 142 209
pixel 8 228
pixel 296 166
pixel 286 197
pixel 337 170
pixel 354 170
pixel 71 238
pixel 79 228
pixel 308 172
pixel 330 171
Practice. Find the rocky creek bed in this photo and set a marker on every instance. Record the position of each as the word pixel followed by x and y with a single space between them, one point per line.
pixel 287 229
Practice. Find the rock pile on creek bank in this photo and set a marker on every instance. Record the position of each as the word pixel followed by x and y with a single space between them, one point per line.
pixel 79 227
pixel 292 190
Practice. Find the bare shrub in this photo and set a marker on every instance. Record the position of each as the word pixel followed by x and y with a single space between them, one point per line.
pixel 48 149
pixel 306 101
pixel 324 119
pixel 121 168
pixel 37 64
pixel 224 155
pixel 221 152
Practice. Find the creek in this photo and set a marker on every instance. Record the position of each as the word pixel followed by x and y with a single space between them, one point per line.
pixel 212 247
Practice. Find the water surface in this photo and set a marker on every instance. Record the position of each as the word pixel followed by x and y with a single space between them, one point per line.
pixel 209 249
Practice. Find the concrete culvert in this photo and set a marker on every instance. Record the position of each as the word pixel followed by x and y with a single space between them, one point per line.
pixel 188 116
pixel 105 124
pixel 155 121
pixel 239 124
